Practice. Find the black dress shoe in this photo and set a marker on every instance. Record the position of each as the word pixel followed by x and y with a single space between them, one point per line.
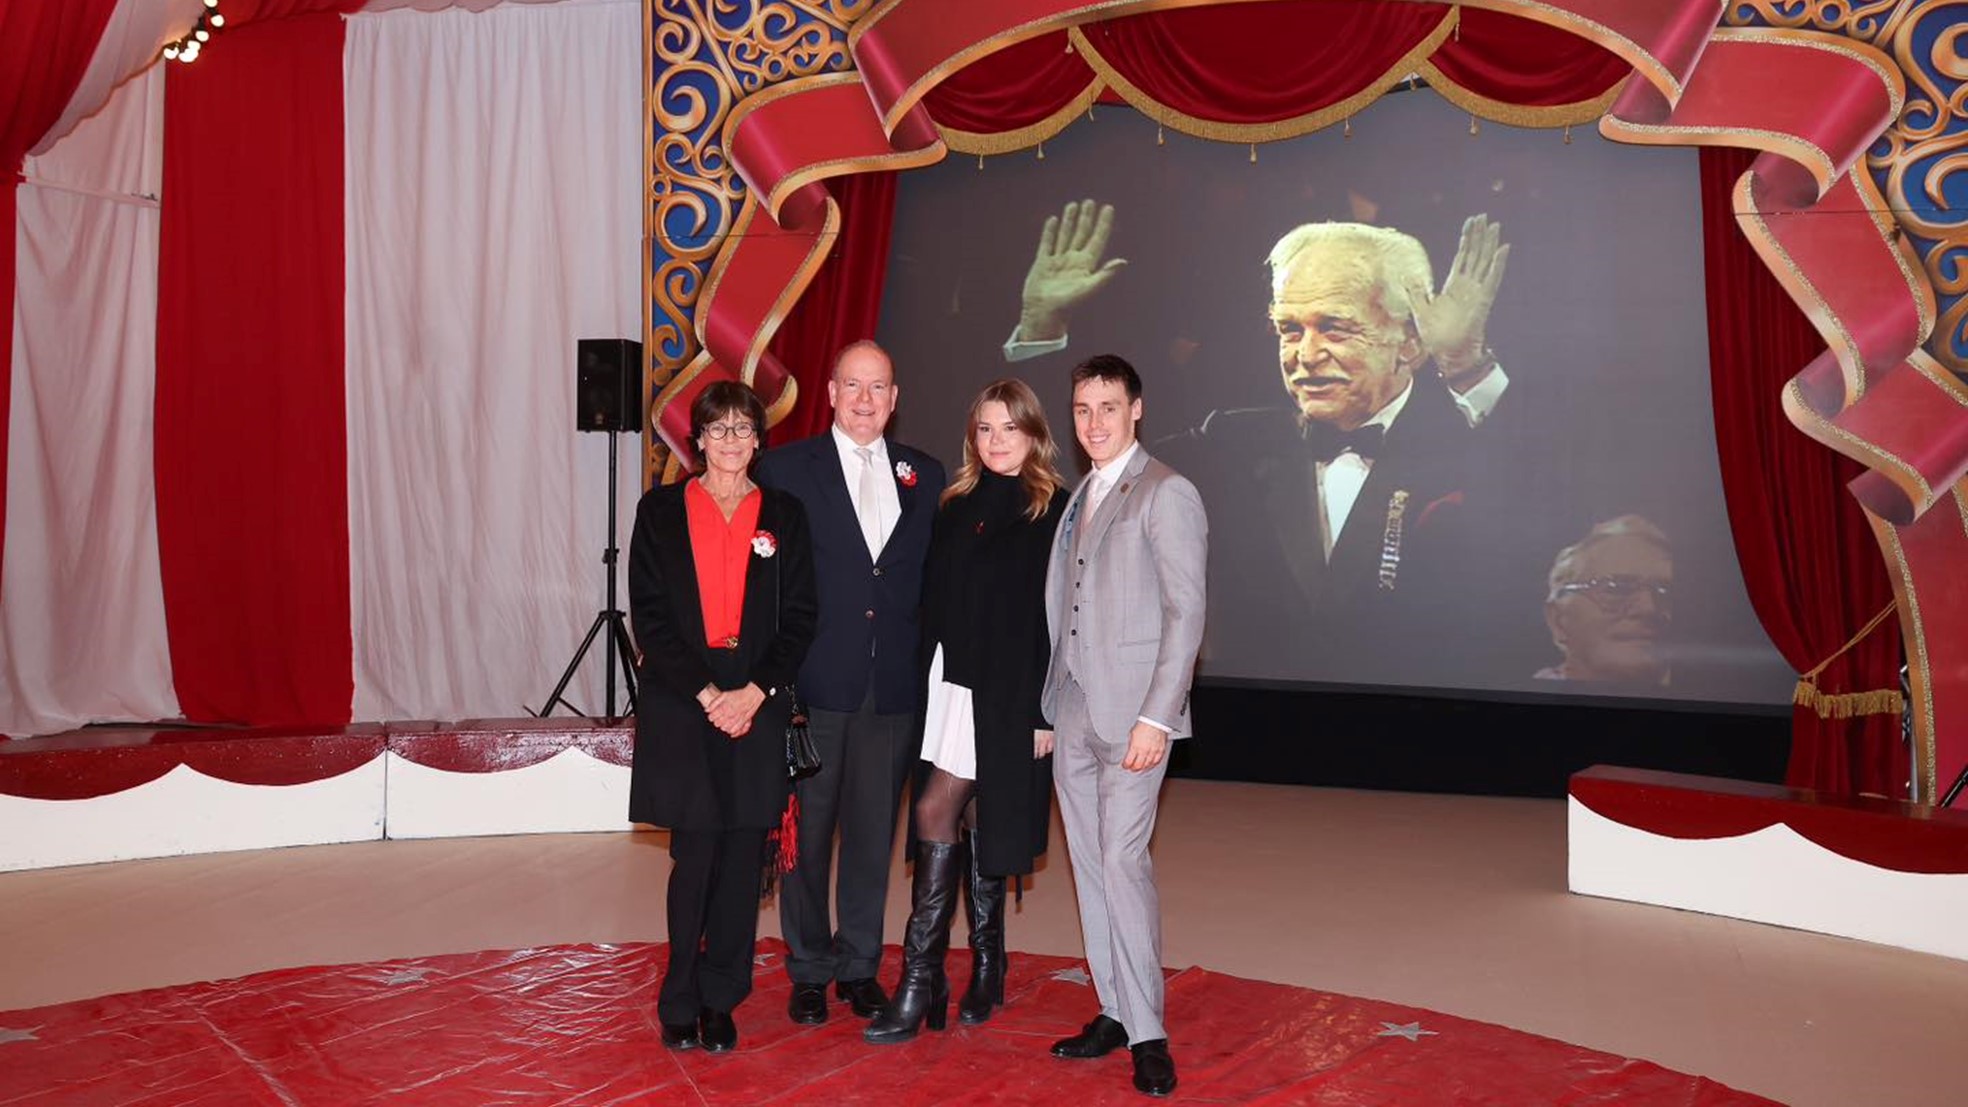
pixel 865 996
pixel 680 1035
pixel 1099 1038
pixel 808 1005
pixel 716 1031
pixel 1154 1069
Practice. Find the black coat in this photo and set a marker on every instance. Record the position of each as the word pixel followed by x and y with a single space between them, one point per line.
pixel 984 603
pixel 688 773
pixel 868 607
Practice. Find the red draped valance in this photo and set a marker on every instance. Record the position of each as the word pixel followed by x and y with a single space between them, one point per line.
pixel 1196 71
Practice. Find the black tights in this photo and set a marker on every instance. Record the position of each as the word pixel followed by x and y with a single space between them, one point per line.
pixel 940 806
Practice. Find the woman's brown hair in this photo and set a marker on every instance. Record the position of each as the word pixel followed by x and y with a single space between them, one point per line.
pixel 1039 474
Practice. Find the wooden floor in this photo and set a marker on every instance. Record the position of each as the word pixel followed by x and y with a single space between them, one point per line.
pixel 1452 903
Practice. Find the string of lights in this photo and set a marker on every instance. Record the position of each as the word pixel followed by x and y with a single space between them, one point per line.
pixel 186 49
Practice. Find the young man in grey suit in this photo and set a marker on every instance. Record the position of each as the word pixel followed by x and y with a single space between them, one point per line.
pixel 1124 601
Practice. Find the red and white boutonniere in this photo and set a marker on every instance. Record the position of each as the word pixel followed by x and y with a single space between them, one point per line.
pixel 763 544
pixel 905 474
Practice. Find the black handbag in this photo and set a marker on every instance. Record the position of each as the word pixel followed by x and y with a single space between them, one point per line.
pixel 802 756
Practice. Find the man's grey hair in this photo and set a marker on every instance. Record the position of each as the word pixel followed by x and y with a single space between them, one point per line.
pixel 1565 571
pixel 1398 258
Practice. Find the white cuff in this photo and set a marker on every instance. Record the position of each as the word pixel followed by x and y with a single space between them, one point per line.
pixel 1163 727
pixel 1477 403
pixel 1017 349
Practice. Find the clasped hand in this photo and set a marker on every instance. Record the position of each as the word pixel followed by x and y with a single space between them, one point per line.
pixel 731 711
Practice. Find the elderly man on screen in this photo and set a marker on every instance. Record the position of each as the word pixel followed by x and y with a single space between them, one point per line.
pixel 1609 605
pixel 1365 547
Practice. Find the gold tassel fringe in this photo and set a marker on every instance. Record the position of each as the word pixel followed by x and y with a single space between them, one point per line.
pixel 1847 705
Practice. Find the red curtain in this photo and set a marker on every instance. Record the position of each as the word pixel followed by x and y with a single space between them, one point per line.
pixel 252 467
pixel 842 305
pixel 1809 560
pixel 1264 62
pixel 1524 62
pixel 45 46
pixel 1258 63
pixel 1015 87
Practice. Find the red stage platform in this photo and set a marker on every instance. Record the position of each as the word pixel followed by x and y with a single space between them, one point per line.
pixel 1859 867
pixel 118 793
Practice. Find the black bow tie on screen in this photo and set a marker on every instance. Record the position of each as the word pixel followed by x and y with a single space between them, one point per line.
pixel 1328 442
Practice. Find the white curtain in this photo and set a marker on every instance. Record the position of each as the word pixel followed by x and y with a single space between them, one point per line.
pixel 494 218
pixel 82 635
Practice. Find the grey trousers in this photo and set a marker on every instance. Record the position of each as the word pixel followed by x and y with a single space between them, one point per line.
pixel 1109 815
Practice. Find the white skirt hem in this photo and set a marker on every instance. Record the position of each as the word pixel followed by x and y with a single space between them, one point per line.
pixel 949 725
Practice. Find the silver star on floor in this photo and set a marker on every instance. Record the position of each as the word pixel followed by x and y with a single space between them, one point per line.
pixel 9 1034
pixel 1074 975
pixel 407 976
pixel 762 960
pixel 1412 1031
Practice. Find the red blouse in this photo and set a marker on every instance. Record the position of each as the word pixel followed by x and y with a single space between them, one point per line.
pixel 722 550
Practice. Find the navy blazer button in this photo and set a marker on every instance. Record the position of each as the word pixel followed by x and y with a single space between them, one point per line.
pixel 871 613
pixel 878 571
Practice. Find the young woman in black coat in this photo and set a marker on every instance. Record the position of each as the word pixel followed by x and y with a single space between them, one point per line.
pixel 722 600
pixel 984 739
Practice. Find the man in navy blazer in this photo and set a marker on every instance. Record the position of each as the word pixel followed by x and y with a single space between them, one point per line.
pixel 869 504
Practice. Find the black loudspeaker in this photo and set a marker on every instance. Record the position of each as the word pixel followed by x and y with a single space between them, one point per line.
pixel 608 385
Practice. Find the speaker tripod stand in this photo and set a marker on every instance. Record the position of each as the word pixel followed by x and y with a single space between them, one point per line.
pixel 609 623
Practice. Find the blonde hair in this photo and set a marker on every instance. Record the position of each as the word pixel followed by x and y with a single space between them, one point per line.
pixel 1039 474
pixel 1398 258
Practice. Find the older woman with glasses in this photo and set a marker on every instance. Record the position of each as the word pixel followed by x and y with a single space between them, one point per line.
pixel 721 596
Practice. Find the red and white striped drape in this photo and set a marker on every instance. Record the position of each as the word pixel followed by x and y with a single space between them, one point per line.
pixel 292 430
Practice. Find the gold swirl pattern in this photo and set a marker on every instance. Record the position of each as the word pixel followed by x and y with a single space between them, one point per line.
pixel 1924 151
pixel 705 57
pixel 1920 155
pixel 1868 20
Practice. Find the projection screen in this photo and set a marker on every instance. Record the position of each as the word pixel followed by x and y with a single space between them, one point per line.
pixel 1540 511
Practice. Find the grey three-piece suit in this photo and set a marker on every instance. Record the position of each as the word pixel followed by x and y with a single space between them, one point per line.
pixel 1124 602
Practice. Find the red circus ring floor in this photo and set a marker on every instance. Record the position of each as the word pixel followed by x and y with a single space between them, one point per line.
pixel 573 1024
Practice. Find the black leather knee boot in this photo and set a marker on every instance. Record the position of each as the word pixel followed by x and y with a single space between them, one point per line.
pixel 987 949
pixel 924 992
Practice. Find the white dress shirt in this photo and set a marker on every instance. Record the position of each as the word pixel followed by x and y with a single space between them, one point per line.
pixel 888 501
pixel 1101 480
pixel 1341 479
